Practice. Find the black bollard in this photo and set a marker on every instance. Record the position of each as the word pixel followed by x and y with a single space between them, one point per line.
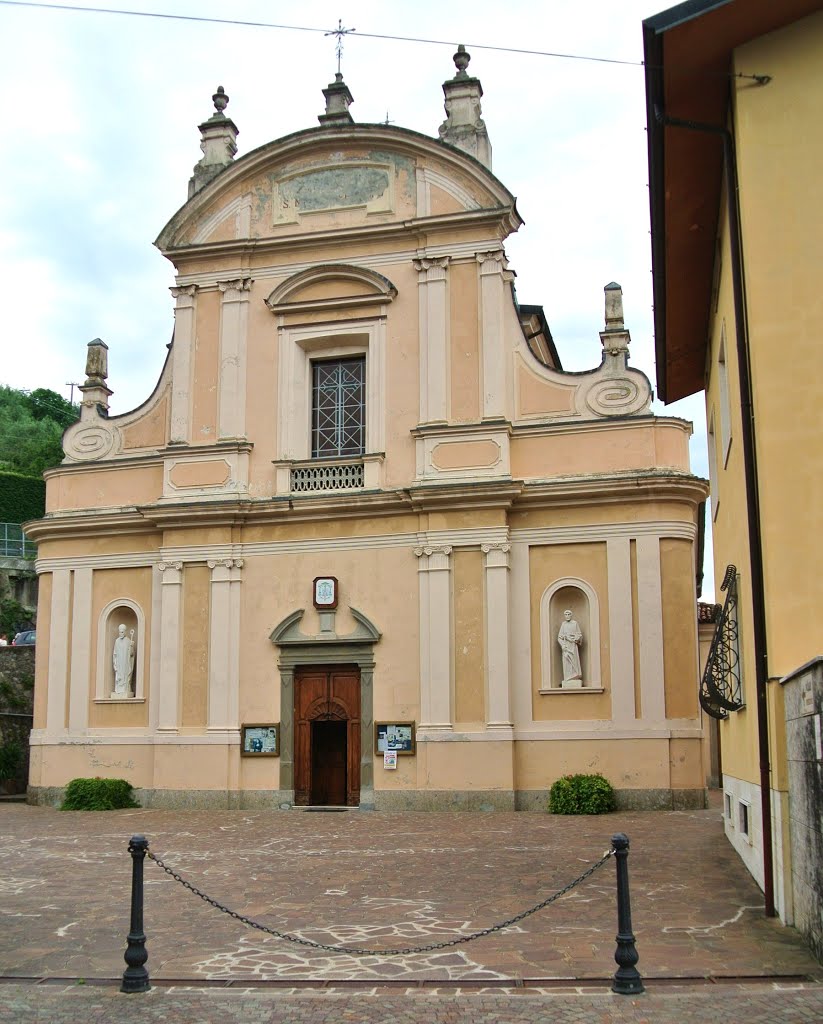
pixel 135 976
pixel 627 980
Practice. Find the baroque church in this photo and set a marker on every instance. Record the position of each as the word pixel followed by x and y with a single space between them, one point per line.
pixel 367 543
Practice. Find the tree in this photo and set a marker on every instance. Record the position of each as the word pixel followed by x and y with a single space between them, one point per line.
pixel 31 426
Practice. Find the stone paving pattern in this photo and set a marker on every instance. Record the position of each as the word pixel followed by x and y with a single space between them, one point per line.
pixel 388 880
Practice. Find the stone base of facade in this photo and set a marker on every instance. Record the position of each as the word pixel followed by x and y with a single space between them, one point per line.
pixel 534 801
pixel 444 800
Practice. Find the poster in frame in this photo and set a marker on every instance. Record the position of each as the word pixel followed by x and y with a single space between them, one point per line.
pixel 398 736
pixel 260 740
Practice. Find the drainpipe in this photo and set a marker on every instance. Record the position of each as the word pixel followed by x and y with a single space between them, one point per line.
pixel 752 491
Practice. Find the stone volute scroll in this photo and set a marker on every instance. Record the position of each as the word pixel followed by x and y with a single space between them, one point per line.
pixel 123 654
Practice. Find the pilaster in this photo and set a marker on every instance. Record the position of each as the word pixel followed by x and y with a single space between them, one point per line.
pixel 182 363
pixel 494 276
pixel 436 684
pixel 224 649
pixel 498 701
pixel 621 629
pixel 231 393
pixel 80 652
pixel 650 626
pixel 434 338
pixel 58 652
pixel 168 697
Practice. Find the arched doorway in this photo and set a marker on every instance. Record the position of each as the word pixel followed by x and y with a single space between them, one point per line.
pixel 327 735
pixel 321 653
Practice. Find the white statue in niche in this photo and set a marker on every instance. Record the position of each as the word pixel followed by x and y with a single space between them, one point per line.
pixel 570 638
pixel 123 662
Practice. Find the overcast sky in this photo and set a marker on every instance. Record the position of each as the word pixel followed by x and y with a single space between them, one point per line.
pixel 101 136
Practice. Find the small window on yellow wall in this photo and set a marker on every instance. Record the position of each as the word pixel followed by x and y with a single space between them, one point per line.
pixel 723 397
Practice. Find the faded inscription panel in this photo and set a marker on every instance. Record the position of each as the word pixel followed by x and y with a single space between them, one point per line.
pixel 333 188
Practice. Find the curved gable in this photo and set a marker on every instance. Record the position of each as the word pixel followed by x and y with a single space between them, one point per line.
pixel 331 179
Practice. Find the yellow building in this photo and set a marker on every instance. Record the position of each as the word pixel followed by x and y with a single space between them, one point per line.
pixel 363 507
pixel 735 148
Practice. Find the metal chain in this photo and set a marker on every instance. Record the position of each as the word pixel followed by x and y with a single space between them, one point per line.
pixel 358 951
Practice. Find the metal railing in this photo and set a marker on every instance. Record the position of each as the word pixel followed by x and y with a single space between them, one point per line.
pixel 14 543
pixel 326 476
pixel 720 688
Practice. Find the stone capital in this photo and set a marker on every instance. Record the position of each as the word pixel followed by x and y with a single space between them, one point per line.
pixel 432 268
pixel 236 289
pixel 184 295
pixel 493 262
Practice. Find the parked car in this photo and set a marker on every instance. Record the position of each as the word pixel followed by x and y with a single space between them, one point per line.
pixel 25 639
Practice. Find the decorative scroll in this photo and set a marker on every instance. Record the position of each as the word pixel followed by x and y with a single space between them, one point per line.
pixel 720 689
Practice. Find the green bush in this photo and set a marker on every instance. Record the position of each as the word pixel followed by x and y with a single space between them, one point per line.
pixel 21 497
pixel 581 794
pixel 98 795
pixel 11 760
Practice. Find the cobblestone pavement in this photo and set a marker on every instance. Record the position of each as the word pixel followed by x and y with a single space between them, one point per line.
pixel 388 880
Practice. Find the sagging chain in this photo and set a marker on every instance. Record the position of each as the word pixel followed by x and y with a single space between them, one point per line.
pixel 360 951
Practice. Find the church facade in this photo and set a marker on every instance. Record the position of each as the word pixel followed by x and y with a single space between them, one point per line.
pixel 367 543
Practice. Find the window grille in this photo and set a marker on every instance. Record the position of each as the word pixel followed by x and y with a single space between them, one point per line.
pixel 338 408
pixel 720 689
pixel 327 477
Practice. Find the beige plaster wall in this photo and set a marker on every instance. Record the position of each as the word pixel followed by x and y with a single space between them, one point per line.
pixel 205 369
pixel 465 342
pixel 195 646
pixel 635 764
pixel 679 628
pixel 469 664
pixel 607 447
pixel 109 487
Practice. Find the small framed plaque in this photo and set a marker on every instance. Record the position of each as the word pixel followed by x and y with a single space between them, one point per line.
pixel 394 736
pixel 260 740
pixel 325 593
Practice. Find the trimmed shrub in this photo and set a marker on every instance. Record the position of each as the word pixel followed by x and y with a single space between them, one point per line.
pixel 11 760
pixel 581 794
pixel 21 497
pixel 98 795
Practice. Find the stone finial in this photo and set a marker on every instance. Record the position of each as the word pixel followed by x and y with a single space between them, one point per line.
pixel 614 307
pixel 461 61
pixel 95 392
pixel 615 337
pixel 218 143
pixel 464 127
pixel 97 363
pixel 338 101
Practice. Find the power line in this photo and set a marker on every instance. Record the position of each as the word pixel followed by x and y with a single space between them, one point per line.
pixel 306 28
pixel 76 8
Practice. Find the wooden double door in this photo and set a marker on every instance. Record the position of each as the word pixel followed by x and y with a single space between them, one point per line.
pixel 327 736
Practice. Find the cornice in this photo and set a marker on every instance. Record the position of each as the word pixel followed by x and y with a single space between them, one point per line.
pixel 484 427
pixel 455 496
pixel 613 489
pixel 89 523
pixel 244 249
